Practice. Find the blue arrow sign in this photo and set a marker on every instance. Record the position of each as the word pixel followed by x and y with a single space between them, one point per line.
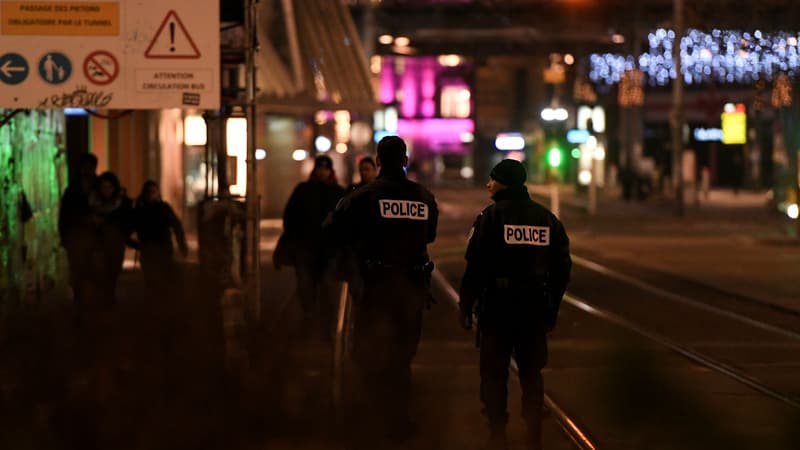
pixel 13 68
pixel 55 67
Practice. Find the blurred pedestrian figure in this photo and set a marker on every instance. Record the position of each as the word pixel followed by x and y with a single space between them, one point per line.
pixel 76 229
pixel 387 225
pixel 155 223
pixel 367 170
pixel 737 171
pixel 309 204
pixel 518 267
pixel 113 224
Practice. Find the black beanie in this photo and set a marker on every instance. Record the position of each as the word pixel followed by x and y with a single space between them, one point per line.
pixel 509 172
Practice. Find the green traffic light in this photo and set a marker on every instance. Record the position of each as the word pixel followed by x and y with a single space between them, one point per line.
pixel 554 157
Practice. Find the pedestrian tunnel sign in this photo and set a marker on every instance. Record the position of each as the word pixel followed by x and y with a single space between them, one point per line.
pixel 109 54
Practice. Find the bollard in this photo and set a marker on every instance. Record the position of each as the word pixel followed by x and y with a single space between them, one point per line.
pixel 705 182
pixel 554 201
pixel 591 207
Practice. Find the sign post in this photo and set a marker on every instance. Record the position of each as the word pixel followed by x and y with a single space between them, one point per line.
pixel 110 54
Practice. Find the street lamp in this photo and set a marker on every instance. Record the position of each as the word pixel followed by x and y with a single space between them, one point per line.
pixel 554 114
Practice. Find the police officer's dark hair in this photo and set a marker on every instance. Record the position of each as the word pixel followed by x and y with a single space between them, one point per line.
pixel 391 151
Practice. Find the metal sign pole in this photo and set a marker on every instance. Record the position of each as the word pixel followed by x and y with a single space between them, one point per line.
pixel 252 198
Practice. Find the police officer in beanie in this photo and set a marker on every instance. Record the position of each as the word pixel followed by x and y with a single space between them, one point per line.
pixel 387 225
pixel 518 267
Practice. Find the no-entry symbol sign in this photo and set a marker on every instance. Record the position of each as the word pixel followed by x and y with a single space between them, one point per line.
pixel 100 67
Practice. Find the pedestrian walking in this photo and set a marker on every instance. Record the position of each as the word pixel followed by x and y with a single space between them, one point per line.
pixel 518 267
pixel 367 170
pixel 387 225
pixel 155 224
pixel 76 229
pixel 308 206
pixel 111 212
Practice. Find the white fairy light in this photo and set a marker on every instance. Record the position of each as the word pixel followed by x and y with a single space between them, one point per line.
pixel 725 56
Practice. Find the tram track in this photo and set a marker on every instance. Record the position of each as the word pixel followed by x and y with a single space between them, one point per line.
pixel 686 300
pixel 717 322
pixel 755 331
pixel 687 352
pixel 568 424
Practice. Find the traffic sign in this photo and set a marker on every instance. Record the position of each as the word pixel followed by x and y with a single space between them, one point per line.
pixel 101 67
pixel 167 44
pixel 13 68
pixel 55 67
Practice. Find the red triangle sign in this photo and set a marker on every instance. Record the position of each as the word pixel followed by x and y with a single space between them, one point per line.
pixel 172 41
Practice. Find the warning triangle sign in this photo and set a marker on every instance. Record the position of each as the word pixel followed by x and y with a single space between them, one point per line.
pixel 172 40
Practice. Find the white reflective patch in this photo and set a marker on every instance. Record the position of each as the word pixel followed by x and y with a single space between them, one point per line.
pixel 526 235
pixel 471 232
pixel 403 209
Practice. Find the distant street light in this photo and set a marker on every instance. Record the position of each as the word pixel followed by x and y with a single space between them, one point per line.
pixel 554 114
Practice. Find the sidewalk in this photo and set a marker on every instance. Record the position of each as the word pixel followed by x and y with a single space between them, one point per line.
pixel 147 374
pixel 733 243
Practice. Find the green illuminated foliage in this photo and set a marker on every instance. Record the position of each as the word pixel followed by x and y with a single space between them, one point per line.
pixel 31 259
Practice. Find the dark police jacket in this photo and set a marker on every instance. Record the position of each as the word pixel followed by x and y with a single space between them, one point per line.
pixel 518 260
pixel 387 223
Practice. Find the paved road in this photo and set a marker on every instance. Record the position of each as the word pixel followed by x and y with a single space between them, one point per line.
pixel 155 380
pixel 631 392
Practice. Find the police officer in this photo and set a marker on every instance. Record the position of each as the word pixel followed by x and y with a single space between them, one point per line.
pixel 387 225
pixel 518 267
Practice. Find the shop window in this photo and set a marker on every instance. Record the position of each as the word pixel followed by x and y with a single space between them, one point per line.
pixel 455 101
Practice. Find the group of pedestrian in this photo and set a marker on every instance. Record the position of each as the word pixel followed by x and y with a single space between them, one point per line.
pixel 518 267
pixel 97 220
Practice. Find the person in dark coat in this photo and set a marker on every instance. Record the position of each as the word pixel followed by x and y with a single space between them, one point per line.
pixel 309 204
pixel 76 229
pixel 387 225
pixel 367 170
pixel 111 212
pixel 518 267
pixel 155 223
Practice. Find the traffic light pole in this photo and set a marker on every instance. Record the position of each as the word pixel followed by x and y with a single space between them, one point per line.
pixel 676 116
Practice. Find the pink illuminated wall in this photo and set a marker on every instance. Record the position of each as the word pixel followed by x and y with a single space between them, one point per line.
pixel 419 82
pixel 387 88
pixel 409 85
pixel 428 86
pixel 436 135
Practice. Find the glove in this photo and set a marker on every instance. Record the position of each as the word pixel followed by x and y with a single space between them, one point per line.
pixel 465 316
